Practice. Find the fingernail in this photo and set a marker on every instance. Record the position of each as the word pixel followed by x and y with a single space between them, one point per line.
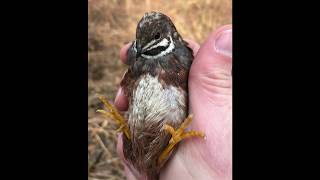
pixel 223 43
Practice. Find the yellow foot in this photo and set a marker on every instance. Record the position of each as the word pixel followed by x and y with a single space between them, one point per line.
pixel 178 135
pixel 115 115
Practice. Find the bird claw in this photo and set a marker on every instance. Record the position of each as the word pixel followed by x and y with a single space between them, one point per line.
pixel 115 115
pixel 177 136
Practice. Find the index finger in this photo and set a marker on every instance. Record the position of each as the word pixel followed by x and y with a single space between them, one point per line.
pixel 123 53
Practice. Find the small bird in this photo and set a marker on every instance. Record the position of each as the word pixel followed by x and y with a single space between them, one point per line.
pixel 156 84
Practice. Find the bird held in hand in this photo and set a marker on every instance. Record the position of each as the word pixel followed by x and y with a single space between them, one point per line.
pixel 156 84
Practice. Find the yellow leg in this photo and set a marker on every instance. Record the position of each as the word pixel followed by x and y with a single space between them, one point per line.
pixel 115 115
pixel 178 135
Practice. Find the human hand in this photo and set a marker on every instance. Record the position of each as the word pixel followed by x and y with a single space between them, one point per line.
pixel 210 102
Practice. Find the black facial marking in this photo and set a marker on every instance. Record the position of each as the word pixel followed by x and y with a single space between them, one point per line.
pixel 157 36
pixel 155 51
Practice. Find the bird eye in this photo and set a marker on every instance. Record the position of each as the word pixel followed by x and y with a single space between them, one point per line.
pixel 157 36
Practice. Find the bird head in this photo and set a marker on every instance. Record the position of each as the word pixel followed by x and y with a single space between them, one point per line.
pixel 155 36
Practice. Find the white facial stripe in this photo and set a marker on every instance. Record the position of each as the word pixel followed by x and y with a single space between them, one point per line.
pixel 134 46
pixel 168 50
pixel 149 44
pixel 164 42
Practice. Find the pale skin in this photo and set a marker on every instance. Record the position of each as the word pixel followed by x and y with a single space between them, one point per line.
pixel 210 102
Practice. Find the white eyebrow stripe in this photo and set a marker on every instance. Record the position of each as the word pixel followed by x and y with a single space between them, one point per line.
pixel 164 42
pixel 168 50
pixel 149 44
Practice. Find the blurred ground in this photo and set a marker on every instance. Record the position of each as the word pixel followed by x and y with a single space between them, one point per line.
pixel 112 23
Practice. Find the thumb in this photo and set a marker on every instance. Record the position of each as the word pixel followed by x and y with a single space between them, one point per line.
pixel 210 93
pixel 210 74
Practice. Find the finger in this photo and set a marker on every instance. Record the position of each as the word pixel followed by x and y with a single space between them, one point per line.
pixel 124 53
pixel 193 45
pixel 216 52
pixel 121 101
pixel 129 174
pixel 210 95
pixel 211 69
pixel 120 147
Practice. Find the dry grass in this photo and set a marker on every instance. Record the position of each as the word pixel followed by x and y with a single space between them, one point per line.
pixel 112 23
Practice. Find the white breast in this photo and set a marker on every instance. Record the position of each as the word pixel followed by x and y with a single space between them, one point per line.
pixel 152 102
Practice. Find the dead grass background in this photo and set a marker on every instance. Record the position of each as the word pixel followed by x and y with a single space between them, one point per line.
pixel 112 23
